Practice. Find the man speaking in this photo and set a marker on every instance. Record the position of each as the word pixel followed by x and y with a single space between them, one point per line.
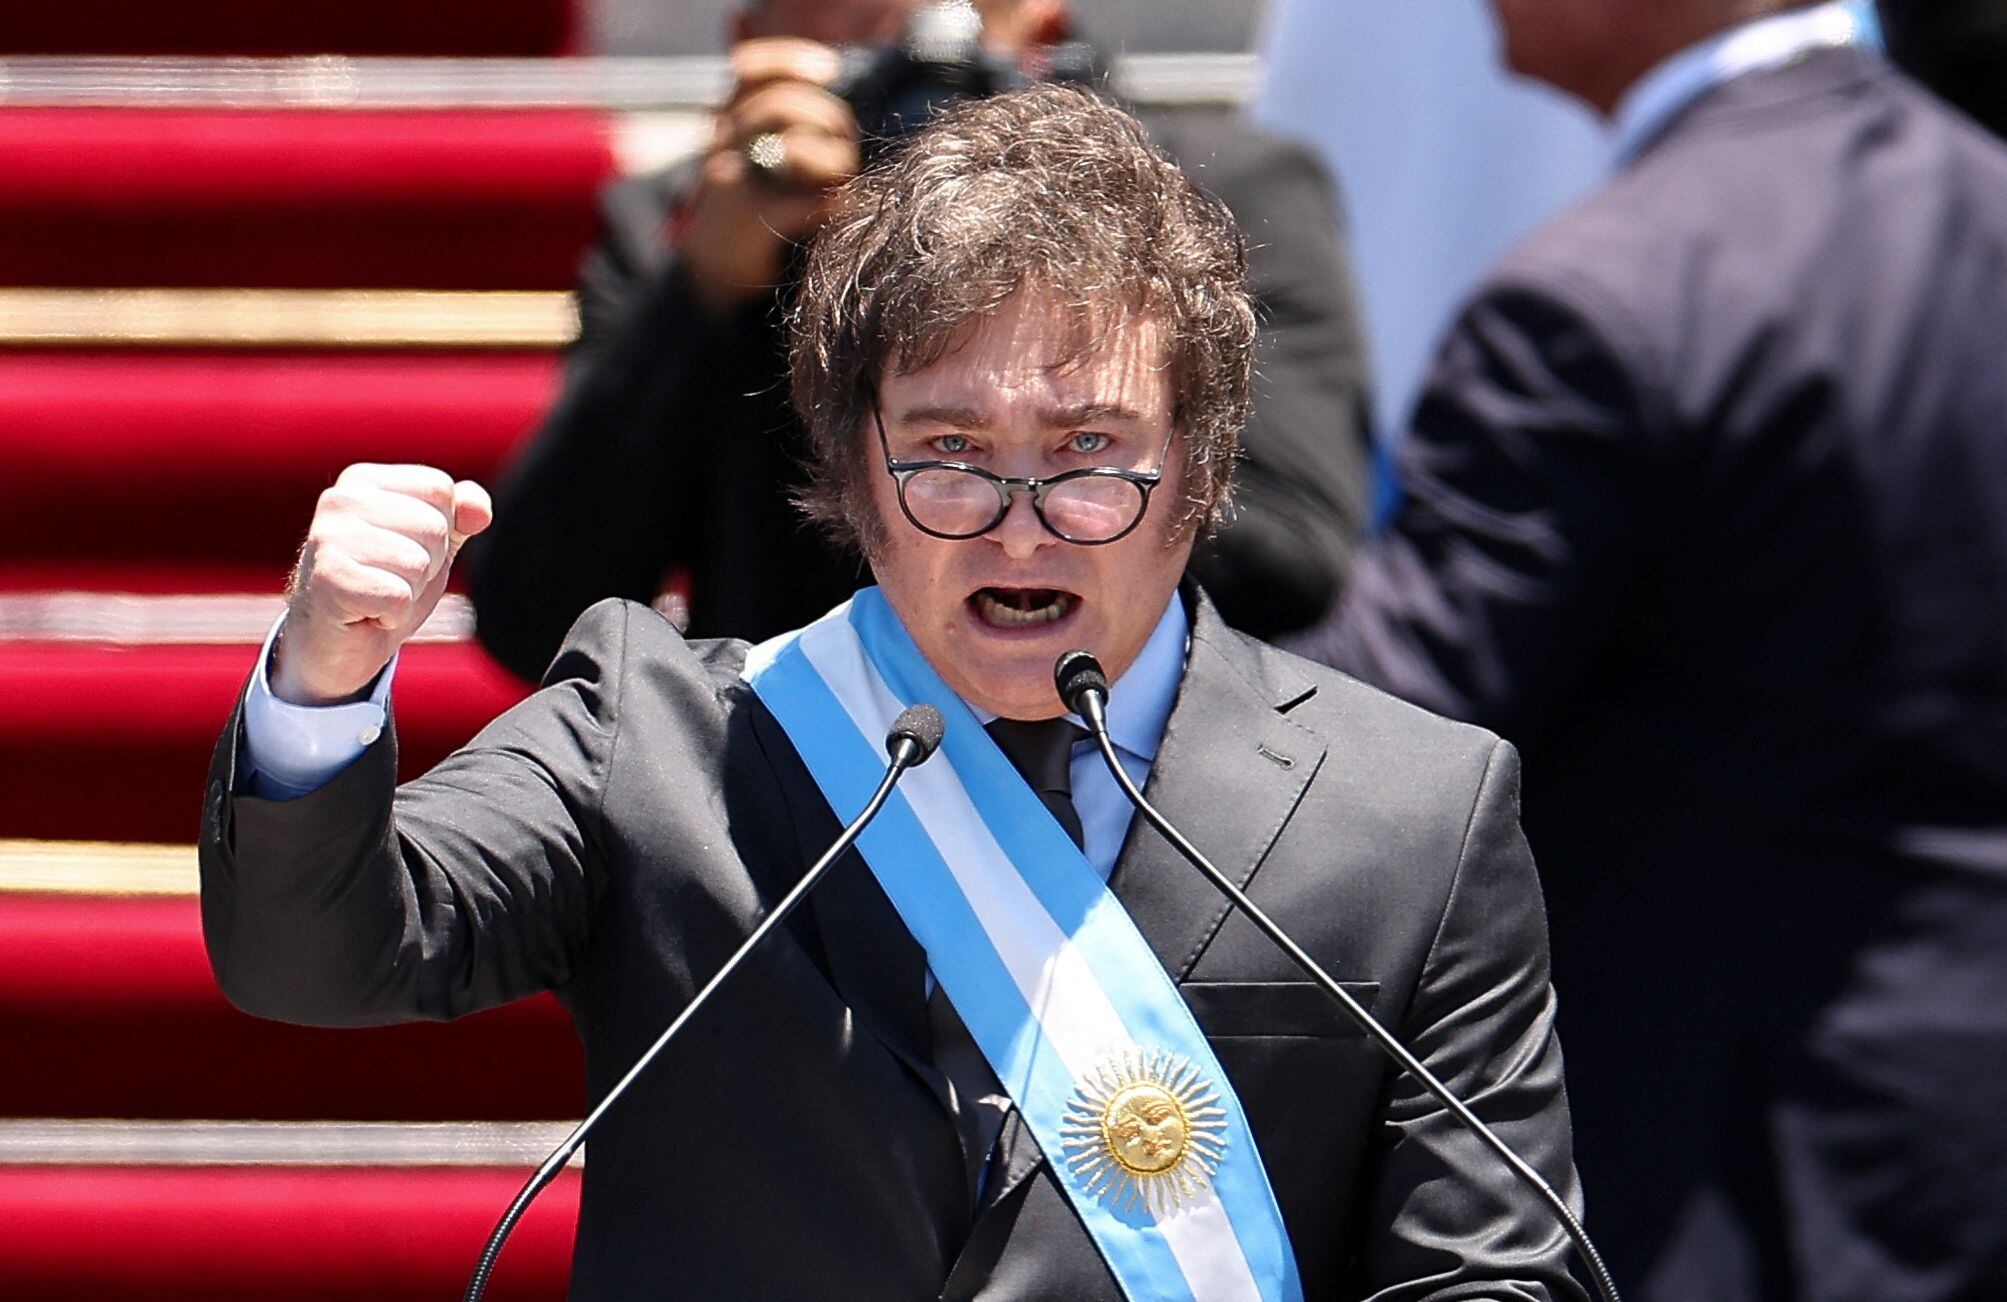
pixel 1013 1047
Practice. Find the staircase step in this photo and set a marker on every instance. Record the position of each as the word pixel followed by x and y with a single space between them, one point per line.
pixel 287 318
pixel 111 742
pixel 201 1233
pixel 108 1007
pixel 186 459
pixel 441 199
pixel 259 27
pixel 113 575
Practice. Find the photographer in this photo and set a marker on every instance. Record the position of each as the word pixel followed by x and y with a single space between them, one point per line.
pixel 673 449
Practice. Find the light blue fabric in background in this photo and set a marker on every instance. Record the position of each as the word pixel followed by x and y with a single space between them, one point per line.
pixel 1444 159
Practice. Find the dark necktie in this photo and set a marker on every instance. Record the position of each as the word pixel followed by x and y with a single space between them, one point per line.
pixel 1043 753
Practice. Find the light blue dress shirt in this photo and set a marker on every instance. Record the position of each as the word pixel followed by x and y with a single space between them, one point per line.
pixel 1139 705
pixel 290 750
pixel 1657 98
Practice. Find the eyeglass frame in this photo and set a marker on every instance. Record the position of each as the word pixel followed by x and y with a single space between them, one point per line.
pixel 1008 486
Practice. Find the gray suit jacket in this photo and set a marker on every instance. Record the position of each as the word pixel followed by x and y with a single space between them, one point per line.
pixel 613 838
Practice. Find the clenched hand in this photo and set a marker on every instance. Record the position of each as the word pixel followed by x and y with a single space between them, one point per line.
pixel 374 565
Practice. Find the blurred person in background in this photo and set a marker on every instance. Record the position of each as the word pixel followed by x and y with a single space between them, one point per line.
pixel 673 450
pixel 1956 47
pixel 1447 159
pixel 1706 508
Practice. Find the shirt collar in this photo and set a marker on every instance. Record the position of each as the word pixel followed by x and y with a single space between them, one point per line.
pixel 1659 96
pixel 1140 701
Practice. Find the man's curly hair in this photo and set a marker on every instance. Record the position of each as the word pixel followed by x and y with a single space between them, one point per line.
pixel 1052 190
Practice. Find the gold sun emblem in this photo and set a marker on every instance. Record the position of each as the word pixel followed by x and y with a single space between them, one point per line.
pixel 1145 1127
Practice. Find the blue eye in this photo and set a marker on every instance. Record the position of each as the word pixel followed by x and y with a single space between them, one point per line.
pixel 950 445
pixel 1088 442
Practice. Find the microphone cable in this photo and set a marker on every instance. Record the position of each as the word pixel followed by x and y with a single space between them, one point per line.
pixel 1083 689
pixel 912 739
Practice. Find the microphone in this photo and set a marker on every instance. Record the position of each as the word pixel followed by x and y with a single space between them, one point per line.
pixel 1083 689
pixel 912 740
pixel 915 735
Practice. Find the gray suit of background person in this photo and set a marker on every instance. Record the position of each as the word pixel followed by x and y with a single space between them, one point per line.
pixel 1706 508
pixel 1027 287
pixel 673 446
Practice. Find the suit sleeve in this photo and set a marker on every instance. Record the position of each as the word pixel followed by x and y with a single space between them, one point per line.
pixel 473 885
pixel 1301 489
pixel 1482 1019
pixel 606 498
pixel 1531 478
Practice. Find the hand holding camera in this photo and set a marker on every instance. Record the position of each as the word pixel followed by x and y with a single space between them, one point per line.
pixel 803 117
pixel 783 140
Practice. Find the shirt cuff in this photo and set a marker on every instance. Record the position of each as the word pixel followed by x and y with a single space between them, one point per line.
pixel 291 750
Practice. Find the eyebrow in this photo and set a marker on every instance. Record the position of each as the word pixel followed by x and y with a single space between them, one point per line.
pixel 1074 414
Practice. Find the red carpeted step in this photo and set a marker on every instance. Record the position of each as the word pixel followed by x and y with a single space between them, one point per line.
pixel 369 199
pixel 140 574
pixel 220 1234
pixel 110 1010
pixel 522 28
pixel 113 743
pixel 176 462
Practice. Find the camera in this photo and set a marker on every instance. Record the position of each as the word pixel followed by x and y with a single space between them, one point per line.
pixel 941 59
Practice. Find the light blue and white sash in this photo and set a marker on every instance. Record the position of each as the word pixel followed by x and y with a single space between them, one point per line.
pixel 1079 1020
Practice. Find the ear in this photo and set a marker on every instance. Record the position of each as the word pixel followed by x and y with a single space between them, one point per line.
pixel 1021 24
pixel 1046 22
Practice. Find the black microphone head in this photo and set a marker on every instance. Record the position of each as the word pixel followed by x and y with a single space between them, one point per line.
pixel 920 724
pixel 1075 674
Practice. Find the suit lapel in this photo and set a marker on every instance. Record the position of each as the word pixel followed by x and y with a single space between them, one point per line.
pixel 877 966
pixel 1228 774
pixel 873 961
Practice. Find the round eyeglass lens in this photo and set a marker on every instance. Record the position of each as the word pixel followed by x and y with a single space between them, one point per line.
pixel 951 501
pixel 1093 508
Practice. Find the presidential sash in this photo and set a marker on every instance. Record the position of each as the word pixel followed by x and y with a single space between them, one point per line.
pixel 1060 991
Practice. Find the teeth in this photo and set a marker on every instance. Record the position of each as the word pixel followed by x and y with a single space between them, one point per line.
pixel 1003 616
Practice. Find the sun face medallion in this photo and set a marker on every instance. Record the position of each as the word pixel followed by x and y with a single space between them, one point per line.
pixel 1144 1126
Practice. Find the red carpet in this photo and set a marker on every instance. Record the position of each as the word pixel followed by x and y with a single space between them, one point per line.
pixel 145 575
pixel 220 1234
pixel 129 730
pixel 524 28
pixel 164 472
pixel 116 997
pixel 332 199
pixel 190 460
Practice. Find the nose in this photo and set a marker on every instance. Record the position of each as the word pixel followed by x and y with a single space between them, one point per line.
pixel 1021 533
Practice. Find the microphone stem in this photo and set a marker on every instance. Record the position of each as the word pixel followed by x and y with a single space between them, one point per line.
pixel 1094 711
pixel 904 757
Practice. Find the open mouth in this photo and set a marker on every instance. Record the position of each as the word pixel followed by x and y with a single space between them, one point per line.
pixel 1021 607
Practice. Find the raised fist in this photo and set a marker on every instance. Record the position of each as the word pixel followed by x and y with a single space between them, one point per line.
pixel 374 565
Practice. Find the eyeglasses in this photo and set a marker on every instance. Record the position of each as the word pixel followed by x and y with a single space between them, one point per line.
pixel 955 500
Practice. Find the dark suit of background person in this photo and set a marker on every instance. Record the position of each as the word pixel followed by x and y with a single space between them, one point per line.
pixel 1707 511
pixel 795 1145
pixel 1958 48
pixel 673 444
